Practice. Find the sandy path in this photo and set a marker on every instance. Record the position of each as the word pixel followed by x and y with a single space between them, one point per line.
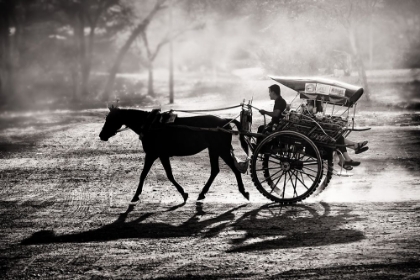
pixel 64 213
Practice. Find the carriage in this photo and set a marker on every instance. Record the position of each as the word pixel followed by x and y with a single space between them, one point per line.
pixel 295 159
pixel 289 163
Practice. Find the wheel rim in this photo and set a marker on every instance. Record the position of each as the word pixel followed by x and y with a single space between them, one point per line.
pixel 286 167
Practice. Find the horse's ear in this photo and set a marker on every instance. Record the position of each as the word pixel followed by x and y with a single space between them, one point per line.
pixel 113 108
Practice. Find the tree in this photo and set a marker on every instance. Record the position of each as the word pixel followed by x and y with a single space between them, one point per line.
pixel 139 29
pixel 405 16
pixel 42 40
pixel 7 14
pixel 351 14
pixel 16 20
pixel 152 52
pixel 82 15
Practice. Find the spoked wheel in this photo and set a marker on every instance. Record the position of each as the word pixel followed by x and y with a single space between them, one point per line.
pixel 286 167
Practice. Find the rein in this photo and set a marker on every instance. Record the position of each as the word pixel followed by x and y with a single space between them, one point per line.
pixel 209 110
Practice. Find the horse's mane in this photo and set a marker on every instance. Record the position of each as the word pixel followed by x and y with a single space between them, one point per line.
pixel 135 113
pixel 128 113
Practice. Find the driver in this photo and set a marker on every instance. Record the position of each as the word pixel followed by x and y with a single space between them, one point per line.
pixel 279 107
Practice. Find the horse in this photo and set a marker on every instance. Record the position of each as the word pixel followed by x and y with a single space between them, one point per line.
pixel 184 137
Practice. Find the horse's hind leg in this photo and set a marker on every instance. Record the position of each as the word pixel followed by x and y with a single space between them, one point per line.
pixel 167 166
pixel 148 162
pixel 214 163
pixel 227 158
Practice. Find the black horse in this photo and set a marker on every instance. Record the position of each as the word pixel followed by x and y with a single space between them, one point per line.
pixel 184 137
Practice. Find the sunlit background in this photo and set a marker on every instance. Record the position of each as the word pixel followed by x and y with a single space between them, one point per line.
pixel 84 54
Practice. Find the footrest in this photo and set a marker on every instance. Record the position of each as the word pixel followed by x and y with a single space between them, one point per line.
pixel 358 129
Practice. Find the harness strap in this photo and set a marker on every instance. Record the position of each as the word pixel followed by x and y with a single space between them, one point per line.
pixel 232 120
pixel 122 129
pixel 194 128
pixel 209 110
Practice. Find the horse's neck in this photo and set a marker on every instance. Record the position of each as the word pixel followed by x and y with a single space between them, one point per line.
pixel 134 119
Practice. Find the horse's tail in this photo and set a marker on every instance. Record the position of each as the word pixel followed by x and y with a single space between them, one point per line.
pixel 244 144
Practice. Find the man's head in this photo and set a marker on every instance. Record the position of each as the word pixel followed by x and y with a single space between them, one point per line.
pixel 314 106
pixel 274 91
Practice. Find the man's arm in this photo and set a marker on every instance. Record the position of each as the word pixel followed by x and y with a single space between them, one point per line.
pixel 279 107
pixel 276 113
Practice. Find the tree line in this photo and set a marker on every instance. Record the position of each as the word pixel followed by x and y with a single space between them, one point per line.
pixel 55 46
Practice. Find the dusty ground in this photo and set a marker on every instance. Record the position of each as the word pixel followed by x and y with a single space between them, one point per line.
pixel 64 210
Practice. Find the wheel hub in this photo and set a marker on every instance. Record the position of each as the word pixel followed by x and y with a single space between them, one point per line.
pixel 285 166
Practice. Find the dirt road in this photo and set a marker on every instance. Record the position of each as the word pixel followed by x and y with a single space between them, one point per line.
pixel 64 210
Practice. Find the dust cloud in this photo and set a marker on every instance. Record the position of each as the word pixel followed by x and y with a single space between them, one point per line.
pixel 388 186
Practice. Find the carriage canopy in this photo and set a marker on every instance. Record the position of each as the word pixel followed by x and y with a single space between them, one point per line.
pixel 326 90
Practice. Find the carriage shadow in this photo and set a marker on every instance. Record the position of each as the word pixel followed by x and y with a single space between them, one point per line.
pixel 267 227
pixel 276 227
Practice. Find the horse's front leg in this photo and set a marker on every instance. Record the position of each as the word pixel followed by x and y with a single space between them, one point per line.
pixel 148 162
pixel 214 163
pixel 167 166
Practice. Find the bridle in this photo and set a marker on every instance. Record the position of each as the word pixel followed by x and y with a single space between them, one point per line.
pixel 121 129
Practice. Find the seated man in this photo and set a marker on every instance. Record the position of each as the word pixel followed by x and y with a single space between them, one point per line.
pixel 345 160
pixel 279 106
pixel 310 109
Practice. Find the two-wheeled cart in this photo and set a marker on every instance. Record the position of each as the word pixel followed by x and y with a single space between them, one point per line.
pixel 295 159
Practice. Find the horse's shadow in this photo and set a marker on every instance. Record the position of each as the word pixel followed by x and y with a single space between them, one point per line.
pixel 120 229
pixel 267 227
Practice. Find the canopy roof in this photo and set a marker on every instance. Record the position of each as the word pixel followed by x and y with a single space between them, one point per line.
pixel 330 91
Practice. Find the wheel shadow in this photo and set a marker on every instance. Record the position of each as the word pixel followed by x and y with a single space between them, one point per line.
pixel 121 229
pixel 276 227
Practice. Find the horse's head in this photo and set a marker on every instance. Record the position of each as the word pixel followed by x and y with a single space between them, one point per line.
pixel 113 122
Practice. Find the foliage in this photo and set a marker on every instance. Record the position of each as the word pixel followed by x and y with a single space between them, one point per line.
pixel 54 43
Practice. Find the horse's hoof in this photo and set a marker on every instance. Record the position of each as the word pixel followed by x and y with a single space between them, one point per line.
pixel 185 196
pixel 246 195
pixel 201 197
